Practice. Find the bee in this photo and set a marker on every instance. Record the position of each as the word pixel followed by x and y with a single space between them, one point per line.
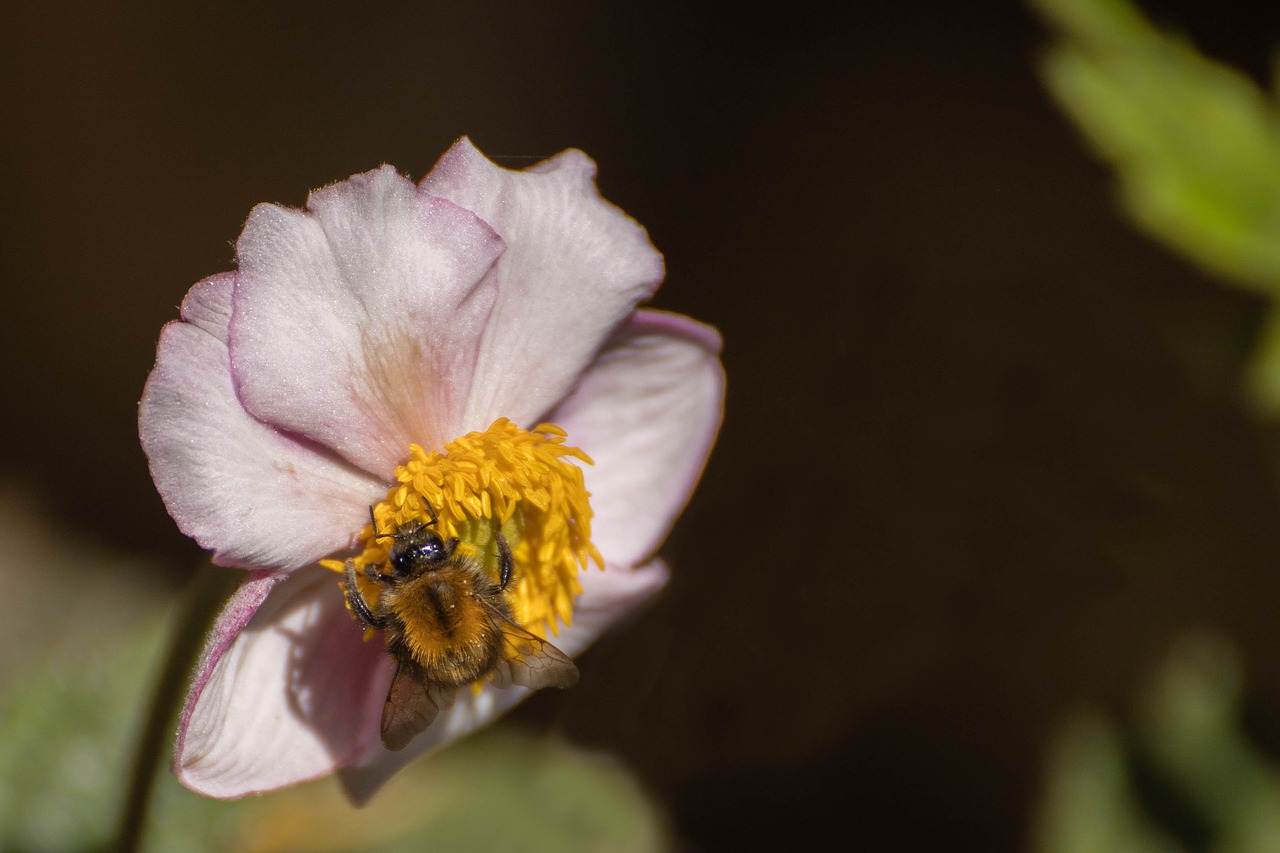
pixel 448 624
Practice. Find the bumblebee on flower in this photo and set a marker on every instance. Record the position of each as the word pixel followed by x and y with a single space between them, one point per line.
pixel 465 356
pixel 449 622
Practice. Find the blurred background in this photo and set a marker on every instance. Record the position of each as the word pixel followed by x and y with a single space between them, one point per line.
pixel 992 479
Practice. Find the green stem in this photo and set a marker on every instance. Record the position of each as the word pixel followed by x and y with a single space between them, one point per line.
pixel 204 598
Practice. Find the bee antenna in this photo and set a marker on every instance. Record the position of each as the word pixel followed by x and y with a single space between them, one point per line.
pixel 431 511
pixel 376 534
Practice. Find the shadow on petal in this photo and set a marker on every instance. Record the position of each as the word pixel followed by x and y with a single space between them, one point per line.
pixel 336 682
pixel 295 696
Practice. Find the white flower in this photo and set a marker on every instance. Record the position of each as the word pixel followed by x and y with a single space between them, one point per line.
pixel 384 315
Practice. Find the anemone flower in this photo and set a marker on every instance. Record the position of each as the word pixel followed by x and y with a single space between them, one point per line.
pixel 466 354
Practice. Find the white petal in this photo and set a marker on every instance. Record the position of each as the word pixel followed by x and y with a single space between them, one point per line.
pixel 255 496
pixel 357 321
pixel 294 694
pixel 207 305
pixel 606 597
pixel 575 266
pixel 647 412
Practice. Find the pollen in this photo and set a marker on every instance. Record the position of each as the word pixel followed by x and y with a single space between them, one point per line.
pixel 520 483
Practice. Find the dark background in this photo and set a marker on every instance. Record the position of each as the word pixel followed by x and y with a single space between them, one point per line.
pixel 982 458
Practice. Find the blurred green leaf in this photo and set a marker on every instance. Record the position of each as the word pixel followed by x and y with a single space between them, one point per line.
pixel 1188 730
pixel 1264 368
pixel 66 743
pixel 1088 806
pixel 1196 144
pixel 1190 724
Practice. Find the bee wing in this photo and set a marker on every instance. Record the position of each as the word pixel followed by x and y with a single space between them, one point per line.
pixel 412 704
pixel 530 661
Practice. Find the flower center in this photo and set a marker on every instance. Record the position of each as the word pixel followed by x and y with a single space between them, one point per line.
pixel 504 480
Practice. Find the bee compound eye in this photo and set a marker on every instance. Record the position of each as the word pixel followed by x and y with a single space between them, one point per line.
pixel 418 552
pixel 429 552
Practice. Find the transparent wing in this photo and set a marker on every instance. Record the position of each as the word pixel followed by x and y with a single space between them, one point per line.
pixel 412 704
pixel 530 661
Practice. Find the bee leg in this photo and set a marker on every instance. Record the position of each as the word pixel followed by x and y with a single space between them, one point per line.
pixel 372 573
pixel 358 605
pixel 506 563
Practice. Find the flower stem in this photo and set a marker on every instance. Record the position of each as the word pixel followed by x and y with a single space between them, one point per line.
pixel 203 599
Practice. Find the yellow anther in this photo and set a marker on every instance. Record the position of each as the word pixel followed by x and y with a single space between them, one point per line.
pixel 506 480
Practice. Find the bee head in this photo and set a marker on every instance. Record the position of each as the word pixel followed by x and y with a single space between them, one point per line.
pixel 417 547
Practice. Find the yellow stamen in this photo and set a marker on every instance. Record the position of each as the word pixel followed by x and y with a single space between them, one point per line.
pixel 504 480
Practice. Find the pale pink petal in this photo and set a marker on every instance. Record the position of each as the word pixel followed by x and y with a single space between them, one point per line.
pixel 647 412
pixel 357 321
pixel 607 596
pixel 236 613
pixel 575 266
pixel 207 305
pixel 254 496
pixel 295 694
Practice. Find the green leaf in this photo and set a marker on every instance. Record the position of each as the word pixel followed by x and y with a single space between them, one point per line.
pixel 1196 144
pixel 1088 805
